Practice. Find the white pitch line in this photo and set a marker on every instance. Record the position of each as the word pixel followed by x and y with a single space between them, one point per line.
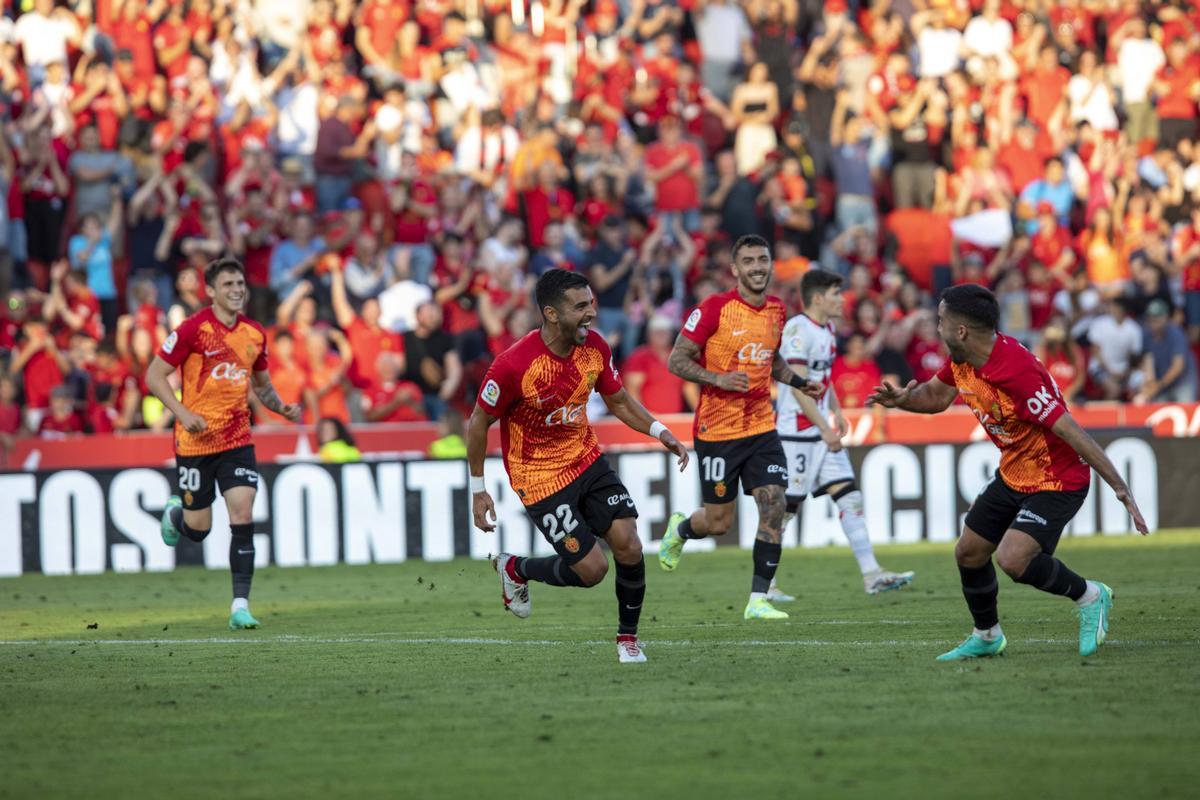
pixel 474 641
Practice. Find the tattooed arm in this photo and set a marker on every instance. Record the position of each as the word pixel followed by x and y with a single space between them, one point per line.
pixel 270 398
pixel 782 372
pixel 684 361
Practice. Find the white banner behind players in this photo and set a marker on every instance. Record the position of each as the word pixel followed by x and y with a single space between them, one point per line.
pixel 74 522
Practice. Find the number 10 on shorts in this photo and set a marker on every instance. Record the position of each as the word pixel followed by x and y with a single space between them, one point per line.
pixel 714 468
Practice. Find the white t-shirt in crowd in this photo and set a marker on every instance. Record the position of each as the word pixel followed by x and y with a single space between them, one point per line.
pixel 1138 61
pixel 938 51
pixel 1120 343
pixel 398 305
pixel 986 38
pixel 410 120
pixel 721 30
pixel 1091 102
pixel 43 40
pixel 298 120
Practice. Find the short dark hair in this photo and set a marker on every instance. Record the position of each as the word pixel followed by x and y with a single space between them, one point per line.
pixel 226 264
pixel 552 287
pixel 343 432
pixel 974 303
pixel 749 240
pixel 284 333
pixel 817 281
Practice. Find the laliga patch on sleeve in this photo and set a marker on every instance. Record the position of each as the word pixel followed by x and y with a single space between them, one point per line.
pixel 169 344
pixel 692 321
pixel 797 343
pixel 490 393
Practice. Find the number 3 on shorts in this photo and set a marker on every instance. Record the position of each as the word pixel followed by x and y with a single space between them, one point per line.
pixel 189 479
pixel 550 523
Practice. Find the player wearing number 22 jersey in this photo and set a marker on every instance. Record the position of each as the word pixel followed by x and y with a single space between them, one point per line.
pixel 538 391
pixel 730 346
pixel 1043 477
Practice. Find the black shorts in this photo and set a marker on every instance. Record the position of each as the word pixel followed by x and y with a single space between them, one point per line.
pixel 1042 515
pixel 572 518
pixel 199 476
pixel 755 461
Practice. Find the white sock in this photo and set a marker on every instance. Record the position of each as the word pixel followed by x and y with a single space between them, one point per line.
pixel 850 511
pixel 990 635
pixel 239 603
pixel 757 596
pixel 1090 596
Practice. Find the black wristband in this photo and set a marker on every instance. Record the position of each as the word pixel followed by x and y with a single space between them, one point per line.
pixel 796 382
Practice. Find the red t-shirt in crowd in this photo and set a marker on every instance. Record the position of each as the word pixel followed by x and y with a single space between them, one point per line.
pixel 411 228
pixel 853 383
pixel 662 392
pixel 1177 103
pixel 368 343
pixel 925 358
pixel 10 417
pixel 384 393
pixel 52 425
pixel 678 191
pixel 542 208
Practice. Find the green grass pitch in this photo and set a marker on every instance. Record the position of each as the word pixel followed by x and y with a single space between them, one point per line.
pixel 410 681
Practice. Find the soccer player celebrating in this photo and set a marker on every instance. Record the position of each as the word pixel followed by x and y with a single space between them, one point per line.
pixel 730 346
pixel 1043 477
pixel 221 353
pixel 538 389
pixel 817 464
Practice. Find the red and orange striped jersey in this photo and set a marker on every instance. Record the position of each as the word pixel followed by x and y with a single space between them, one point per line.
pixel 541 401
pixel 216 362
pixel 1017 402
pixel 736 337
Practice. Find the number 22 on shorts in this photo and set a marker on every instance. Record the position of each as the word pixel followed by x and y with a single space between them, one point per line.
pixel 550 523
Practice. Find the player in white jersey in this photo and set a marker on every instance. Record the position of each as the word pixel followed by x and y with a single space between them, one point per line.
pixel 812 430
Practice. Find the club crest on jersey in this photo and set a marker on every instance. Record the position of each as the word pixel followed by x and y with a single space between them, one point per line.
pixel 490 393
pixel 591 376
pixel 755 353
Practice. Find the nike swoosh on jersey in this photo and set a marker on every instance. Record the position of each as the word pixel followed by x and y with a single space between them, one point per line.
pixel 739 333
pixel 211 353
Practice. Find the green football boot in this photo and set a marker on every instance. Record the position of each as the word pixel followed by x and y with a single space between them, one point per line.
pixel 1093 621
pixel 171 522
pixel 759 608
pixel 671 547
pixel 241 620
pixel 976 647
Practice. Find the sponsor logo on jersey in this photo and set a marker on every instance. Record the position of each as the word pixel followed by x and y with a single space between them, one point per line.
pixel 755 353
pixel 1025 515
pixel 569 414
pixel 490 393
pixel 692 321
pixel 1042 403
pixel 248 474
pixel 773 468
pixel 169 344
pixel 228 371
pixel 616 499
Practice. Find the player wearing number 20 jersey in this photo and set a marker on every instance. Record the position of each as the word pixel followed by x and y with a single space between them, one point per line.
pixel 538 391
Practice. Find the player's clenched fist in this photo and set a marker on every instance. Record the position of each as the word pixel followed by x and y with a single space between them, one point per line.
pixel 484 511
pixel 733 382
pixel 192 423
pixel 292 412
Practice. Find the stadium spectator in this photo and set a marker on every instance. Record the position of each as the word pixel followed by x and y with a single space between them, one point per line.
pixel 646 375
pixel 1168 370
pixel 1117 343
pixel 335 442
pixel 855 374
pixel 431 361
pixel 63 419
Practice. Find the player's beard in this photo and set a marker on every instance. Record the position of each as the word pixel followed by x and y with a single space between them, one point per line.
pixel 754 283
pixel 958 352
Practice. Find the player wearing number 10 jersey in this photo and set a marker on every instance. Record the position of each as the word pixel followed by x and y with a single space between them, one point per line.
pixel 220 354
pixel 1043 477
pixel 538 390
pixel 730 346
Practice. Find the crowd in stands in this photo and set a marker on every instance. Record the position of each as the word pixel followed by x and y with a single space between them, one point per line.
pixel 396 173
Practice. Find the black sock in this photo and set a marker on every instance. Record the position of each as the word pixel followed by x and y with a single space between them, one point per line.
pixel 550 570
pixel 241 558
pixel 980 589
pixel 685 530
pixel 182 527
pixel 631 590
pixel 766 561
pixel 1051 575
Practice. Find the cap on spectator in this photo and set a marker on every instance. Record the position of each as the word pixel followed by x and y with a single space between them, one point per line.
pixel 1157 308
pixel 1045 207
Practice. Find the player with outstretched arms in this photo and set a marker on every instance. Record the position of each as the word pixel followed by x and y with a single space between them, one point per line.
pixel 221 354
pixel 730 346
pixel 538 391
pixel 1043 477
pixel 817 464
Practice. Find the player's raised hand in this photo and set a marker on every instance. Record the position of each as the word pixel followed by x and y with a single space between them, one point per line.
pixel 733 382
pixel 675 446
pixel 484 511
pixel 889 396
pixel 1132 507
pixel 192 423
pixel 292 411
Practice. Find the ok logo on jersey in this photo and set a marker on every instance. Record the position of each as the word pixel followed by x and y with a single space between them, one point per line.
pixel 755 353
pixel 565 415
pixel 228 371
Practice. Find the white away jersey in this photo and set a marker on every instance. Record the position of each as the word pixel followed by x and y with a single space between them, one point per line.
pixel 805 344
